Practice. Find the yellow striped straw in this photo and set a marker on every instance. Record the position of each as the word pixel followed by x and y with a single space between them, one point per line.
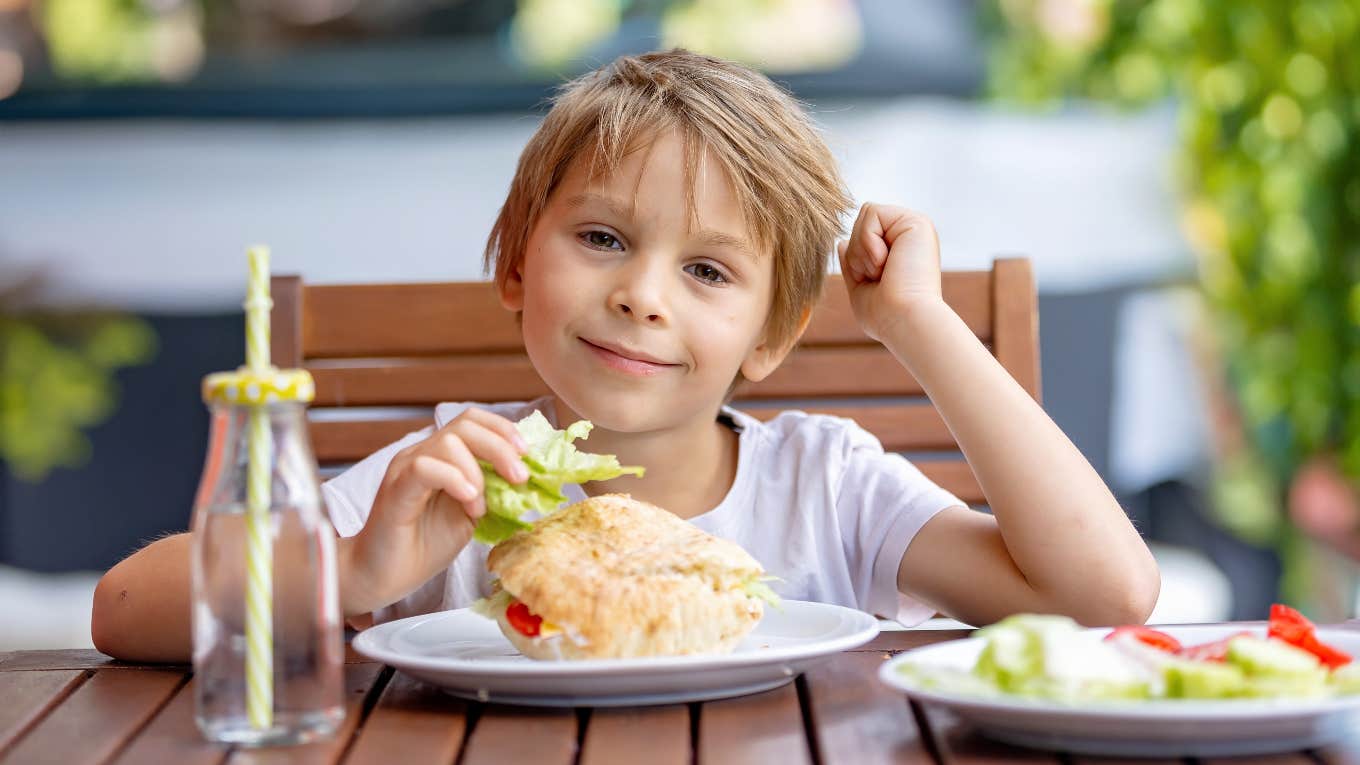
pixel 259 553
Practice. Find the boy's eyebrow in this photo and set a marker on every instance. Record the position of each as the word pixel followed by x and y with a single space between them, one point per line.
pixel 705 236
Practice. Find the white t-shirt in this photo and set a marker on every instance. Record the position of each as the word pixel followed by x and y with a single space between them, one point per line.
pixel 816 500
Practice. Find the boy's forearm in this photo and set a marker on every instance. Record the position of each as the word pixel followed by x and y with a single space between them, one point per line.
pixel 1054 511
pixel 140 610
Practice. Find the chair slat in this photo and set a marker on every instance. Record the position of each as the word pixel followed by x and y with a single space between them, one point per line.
pixel 285 321
pixel 398 382
pixel 406 320
pixel 1015 334
pixel 956 477
pixel 969 293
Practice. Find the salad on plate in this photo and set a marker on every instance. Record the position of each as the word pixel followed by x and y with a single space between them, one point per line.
pixel 1051 658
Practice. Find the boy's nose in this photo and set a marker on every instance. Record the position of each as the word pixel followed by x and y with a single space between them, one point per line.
pixel 639 298
pixel 627 309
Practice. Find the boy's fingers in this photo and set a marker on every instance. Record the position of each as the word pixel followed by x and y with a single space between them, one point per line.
pixel 500 426
pixel 438 474
pixel 492 447
pixel 450 448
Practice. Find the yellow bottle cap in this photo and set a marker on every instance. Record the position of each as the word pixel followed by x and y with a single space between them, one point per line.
pixel 258 386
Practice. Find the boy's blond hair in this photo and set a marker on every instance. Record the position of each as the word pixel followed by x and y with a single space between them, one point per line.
pixel 790 192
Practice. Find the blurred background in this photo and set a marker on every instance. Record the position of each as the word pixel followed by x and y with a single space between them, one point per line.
pixel 1184 173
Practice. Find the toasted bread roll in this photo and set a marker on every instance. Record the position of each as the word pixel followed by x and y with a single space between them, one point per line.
pixel 613 577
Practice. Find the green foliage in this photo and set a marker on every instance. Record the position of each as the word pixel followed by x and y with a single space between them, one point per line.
pixel 1269 113
pixel 1269 166
pixel 56 377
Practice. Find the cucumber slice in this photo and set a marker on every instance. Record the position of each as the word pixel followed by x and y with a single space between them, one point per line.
pixel 1273 658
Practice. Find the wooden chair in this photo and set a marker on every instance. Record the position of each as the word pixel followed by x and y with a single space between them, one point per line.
pixel 384 354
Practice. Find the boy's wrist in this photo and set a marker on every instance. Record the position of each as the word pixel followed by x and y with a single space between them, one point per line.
pixel 357 593
pixel 916 320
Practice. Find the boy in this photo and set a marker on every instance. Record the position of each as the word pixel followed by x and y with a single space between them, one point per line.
pixel 664 238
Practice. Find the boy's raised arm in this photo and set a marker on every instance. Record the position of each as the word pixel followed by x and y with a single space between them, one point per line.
pixel 1057 541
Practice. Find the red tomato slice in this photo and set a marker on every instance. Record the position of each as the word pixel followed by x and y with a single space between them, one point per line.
pixel 1159 640
pixel 1329 656
pixel 1294 628
pixel 1215 651
pixel 524 622
pixel 1286 619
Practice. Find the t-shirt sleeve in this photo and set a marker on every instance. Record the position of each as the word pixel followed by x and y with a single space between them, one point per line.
pixel 883 501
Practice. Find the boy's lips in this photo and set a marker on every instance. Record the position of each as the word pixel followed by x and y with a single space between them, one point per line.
pixel 626 359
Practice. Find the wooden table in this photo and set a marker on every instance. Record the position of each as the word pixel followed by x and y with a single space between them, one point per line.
pixel 80 706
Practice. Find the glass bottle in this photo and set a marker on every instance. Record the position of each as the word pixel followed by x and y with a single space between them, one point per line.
pixel 307 638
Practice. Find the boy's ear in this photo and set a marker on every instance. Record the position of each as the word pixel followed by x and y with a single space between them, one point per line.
pixel 766 357
pixel 511 289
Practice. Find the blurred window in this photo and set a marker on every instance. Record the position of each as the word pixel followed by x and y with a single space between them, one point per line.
pixel 363 58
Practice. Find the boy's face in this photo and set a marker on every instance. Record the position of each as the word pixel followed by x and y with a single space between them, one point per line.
pixel 636 319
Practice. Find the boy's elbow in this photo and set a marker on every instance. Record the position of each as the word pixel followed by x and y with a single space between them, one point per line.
pixel 1132 601
pixel 103 631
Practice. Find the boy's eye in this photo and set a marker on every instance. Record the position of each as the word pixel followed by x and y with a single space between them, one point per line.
pixel 602 240
pixel 706 273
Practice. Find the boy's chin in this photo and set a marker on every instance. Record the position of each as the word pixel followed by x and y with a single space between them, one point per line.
pixel 621 413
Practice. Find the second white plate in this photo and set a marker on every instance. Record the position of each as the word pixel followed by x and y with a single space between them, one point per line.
pixel 467 655
pixel 1154 728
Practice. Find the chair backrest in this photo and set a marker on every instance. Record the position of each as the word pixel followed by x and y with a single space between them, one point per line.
pixel 384 354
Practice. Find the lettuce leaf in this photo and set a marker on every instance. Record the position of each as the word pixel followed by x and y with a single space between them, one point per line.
pixel 553 461
pixel 494 606
pixel 756 588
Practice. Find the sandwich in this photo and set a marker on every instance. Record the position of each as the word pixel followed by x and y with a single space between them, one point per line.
pixel 612 577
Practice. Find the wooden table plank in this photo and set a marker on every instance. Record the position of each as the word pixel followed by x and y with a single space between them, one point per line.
pixel 540 736
pixel 897 641
pixel 1289 758
pixel 654 735
pixel 99 717
pixel 1091 760
pixel 87 658
pixel 958 744
pixel 360 681
pixel 413 722
pixel 855 718
pixel 30 695
pixel 763 728
pixel 1345 752
pixel 173 736
pixel 62 659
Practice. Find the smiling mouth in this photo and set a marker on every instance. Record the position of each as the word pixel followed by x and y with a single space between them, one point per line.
pixel 627 364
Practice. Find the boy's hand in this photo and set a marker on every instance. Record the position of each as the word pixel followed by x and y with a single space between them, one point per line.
pixel 891 263
pixel 426 507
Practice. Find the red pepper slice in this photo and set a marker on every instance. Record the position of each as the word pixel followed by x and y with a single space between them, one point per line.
pixel 524 622
pixel 1155 638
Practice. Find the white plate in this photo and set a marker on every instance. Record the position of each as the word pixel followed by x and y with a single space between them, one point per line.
pixel 1166 728
pixel 467 655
